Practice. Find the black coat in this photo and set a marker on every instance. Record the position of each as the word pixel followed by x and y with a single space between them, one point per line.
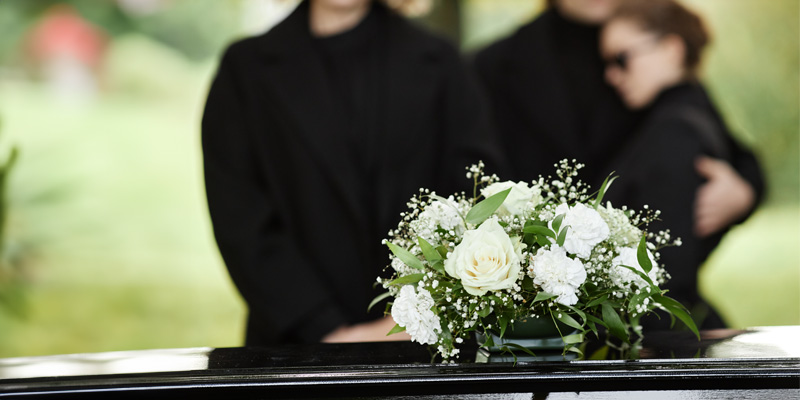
pixel 298 224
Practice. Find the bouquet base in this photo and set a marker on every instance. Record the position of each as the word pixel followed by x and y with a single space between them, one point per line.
pixel 539 335
pixel 533 344
pixel 485 356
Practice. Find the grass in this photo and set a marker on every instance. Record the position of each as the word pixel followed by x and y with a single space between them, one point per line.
pixel 108 215
pixel 754 275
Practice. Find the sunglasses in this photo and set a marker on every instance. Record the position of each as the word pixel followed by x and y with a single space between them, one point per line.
pixel 622 59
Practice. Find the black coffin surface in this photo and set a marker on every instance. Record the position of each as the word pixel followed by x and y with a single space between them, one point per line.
pixel 755 363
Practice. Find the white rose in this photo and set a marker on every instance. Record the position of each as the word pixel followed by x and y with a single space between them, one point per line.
pixel 412 310
pixel 486 259
pixel 621 276
pixel 586 228
pixel 519 199
pixel 558 274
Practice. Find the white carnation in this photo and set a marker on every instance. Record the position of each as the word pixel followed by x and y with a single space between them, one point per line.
pixel 520 199
pixel 558 274
pixel 586 228
pixel 622 276
pixel 412 310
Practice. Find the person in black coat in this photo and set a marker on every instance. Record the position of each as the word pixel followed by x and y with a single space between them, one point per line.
pixel 547 91
pixel 545 85
pixel 653 49
pixel 315 135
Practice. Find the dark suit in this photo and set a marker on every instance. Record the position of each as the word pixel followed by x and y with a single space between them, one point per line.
pixel 298 223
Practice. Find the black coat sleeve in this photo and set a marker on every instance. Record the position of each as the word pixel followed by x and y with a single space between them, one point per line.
pixel 277 281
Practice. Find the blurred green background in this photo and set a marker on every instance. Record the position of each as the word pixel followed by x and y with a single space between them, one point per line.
pixel 108 245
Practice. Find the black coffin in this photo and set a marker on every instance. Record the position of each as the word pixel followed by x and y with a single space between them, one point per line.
pixel 755 363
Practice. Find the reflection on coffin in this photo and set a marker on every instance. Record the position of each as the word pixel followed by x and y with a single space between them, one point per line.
pixel 752 363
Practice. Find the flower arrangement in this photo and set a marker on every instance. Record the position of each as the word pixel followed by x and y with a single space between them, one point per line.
pixel 513 251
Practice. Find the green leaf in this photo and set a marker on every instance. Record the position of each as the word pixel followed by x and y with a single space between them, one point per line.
pixel 542 240
pixel 669 302
pixel 593 327
pixel 636 300
pixel 602 192
pixel 541 296
pixel 591 318
pixel 503 321
pixel 646 278
pixel 614 323
pixel 377 300
pixel 528 237
pixel 577 311
pixel 527 284
pixel 534 222
pixel 574 338
pixel 641 256
pixel 438 265
pixel 557 222
pixel 485 311
pixel 567 319
pixel 597 301
pixel 442 251
pixel 539 230
pixel 489 341
pixel 404 280
pixel 405 256
pixel 677 309
pixel 396 329
pixel 428 251
pixel 518 347
pixel 562 236
pixel 574 350
pixel 485 208
pixel 613 303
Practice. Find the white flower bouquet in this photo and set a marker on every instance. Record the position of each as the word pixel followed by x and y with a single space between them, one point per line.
pixel 513 251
